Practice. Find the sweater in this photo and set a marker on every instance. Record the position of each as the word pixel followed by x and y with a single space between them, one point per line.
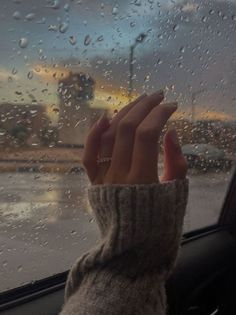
pixel 141 229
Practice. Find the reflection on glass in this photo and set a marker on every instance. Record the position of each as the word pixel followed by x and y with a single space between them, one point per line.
pixel 63 63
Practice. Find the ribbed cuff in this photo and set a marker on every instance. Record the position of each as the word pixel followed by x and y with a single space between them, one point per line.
pixel 147 218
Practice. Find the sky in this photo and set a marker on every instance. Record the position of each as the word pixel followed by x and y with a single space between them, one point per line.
pixel 189 50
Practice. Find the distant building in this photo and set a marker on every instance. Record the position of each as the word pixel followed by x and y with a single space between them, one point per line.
pixel 16 118
pixel 76 117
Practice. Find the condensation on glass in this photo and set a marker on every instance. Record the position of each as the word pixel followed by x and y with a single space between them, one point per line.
pixel 63 63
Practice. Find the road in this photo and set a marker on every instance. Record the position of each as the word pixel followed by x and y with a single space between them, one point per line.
pixel 46 223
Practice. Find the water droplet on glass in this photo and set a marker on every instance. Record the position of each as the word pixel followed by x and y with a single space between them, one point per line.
pixel 100 38
pixel 30 75
pixel 66 7
pixel 137 2
pixel 182 49
pixel 16 15
pixel 33 111
pixel 19 268
pixel 73 232
pixel 14 71
pixel 211 12
pixel 87 40
pixel 23 42
pixel 115 11
pixel 72 40
pixel 204 19
pixel 4 263
pixel 63 27
pixel 55 4
pixel 132 24
pixel 233 17
pixel 147 78
pixel 52 28
pixel 175 27
pixel 30 17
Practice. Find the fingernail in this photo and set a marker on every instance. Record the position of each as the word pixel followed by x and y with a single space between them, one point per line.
pixel 159 93
pixel 172 104
pixel 175 139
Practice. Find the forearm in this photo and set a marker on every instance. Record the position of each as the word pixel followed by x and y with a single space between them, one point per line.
pixel 141 227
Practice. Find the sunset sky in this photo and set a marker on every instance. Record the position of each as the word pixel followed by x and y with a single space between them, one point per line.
pixel 190 47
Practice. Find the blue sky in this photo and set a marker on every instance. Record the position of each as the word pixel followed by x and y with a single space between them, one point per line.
pixel 190 46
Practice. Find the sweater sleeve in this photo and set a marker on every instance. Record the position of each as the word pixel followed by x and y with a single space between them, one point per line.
pixel 141 228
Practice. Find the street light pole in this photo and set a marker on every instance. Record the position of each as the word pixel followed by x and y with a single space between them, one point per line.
pixel 138 40
pixel 131 71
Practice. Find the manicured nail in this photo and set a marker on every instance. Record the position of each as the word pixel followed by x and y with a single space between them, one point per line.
pixel 172 104
pixel 159 93
pixel 174 136
pixel 175 139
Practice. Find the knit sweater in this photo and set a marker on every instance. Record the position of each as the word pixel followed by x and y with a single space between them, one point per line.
pixel 141 228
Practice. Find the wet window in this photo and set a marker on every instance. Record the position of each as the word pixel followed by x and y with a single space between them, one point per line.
pixel 62 64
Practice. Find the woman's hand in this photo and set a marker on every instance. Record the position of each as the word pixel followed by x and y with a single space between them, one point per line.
pixel 130 140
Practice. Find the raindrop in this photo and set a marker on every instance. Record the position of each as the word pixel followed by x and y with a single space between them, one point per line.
pixel 233 17
pixel 4 263
pixel 72 40
pixel 175 27
pixel 63 27
pixel 115 11
pixel 42 21
pixel 30 17
pixel 137 2
pixel 52 28
pixel 147 78
pixel 30 75
pixel 182 49
pixel 211 12
pixel 16 15
pixel 14 71
pixel 87 40
pixel 19 268
pixel 23 42
pixel 66 7
pixel 100 38
pixel 132 24
pixel 73 232
pixel 204 19
pixel 55 4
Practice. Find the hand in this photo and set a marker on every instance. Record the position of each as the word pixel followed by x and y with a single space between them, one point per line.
pixel 131 140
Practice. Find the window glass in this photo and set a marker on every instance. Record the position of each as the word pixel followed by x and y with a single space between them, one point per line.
pixel 62 64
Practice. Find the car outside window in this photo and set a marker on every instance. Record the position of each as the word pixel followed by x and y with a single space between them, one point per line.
pixel 62 64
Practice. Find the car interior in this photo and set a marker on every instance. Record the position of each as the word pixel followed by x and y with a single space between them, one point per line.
pixel 202 283
pixel 66 62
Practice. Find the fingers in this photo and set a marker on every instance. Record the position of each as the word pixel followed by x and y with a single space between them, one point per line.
pixel 92 147
pixel 145 152
pixel 108 138
pixel 123 147
pixel 175 165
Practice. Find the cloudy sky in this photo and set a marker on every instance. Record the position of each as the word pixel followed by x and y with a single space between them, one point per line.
pixel 190 49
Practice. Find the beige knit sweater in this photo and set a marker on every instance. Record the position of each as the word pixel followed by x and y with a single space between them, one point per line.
pixel 141 227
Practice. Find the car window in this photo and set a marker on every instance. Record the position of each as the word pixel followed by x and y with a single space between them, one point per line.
pixel 62 64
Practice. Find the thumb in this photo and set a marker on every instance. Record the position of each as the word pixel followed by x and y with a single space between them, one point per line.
pixel 175 165
pixel 92 146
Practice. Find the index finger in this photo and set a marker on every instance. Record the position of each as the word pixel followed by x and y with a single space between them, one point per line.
pixel 145 154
